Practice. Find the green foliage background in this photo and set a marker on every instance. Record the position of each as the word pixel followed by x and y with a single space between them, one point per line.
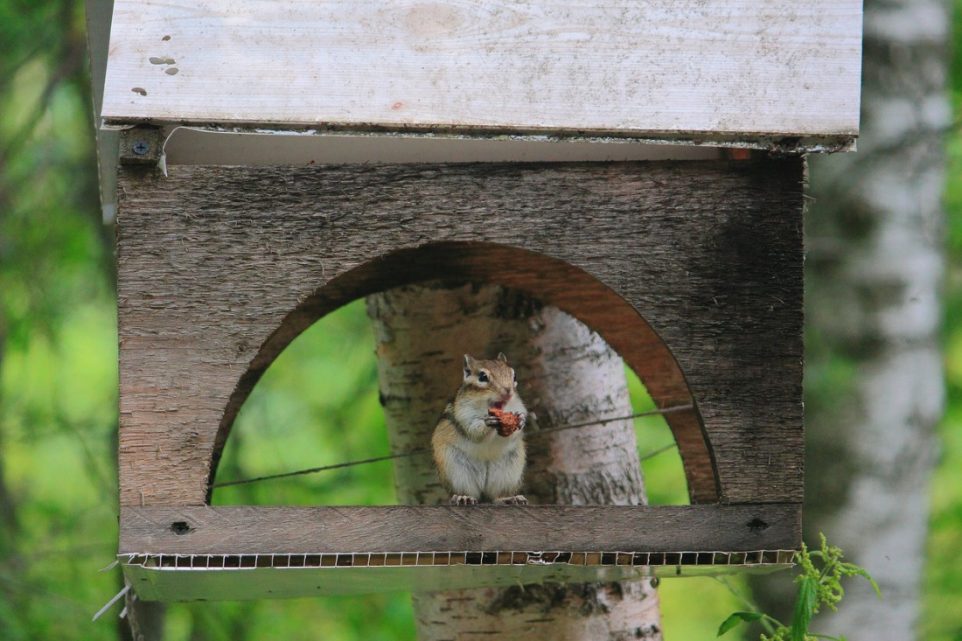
pixel 317 404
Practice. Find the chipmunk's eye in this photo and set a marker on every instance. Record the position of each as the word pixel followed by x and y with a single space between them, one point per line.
pixel 482 377
pixel 515 375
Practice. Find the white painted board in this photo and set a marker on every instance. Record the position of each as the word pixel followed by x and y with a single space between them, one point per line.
pixel 729 71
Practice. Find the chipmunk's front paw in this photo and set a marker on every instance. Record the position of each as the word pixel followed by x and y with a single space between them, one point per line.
pixel 492 421
pixel 461 499
pixel 511 500
pixel 522 422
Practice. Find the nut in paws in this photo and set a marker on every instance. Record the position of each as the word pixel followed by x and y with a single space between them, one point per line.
pixel 508 422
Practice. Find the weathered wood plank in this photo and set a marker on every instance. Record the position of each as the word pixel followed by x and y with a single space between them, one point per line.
pixel 740 71
pixel 174 554
pixel 321 530
pixel 220 268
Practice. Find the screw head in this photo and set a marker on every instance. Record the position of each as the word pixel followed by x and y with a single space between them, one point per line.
pixel 140 147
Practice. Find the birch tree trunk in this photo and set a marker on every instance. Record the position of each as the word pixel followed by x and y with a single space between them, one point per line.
pixel 567 374
pixel 875 389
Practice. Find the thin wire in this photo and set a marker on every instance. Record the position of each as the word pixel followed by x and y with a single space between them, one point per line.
pixel 605 421
pixel 426 450
pixel 660 450
pixel 324 468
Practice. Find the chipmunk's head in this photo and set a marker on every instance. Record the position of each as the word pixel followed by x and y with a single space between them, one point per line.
pixel 496 379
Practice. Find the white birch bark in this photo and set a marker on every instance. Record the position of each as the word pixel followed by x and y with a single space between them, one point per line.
pixel 567 374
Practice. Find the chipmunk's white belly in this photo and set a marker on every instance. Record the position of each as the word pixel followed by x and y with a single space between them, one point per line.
pixel 491 468
pixel 492 448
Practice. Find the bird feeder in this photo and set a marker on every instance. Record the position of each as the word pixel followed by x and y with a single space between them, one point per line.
pixel 242 218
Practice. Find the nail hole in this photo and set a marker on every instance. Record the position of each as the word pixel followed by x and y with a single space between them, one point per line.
pixel 179 527
pixel 140 90
pixel 757 525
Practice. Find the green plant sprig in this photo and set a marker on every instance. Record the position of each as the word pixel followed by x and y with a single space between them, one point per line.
pixel 817 587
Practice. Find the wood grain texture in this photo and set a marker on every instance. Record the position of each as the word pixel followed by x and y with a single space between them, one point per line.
pixel 725 70
pixel 486 528
pixel 220 268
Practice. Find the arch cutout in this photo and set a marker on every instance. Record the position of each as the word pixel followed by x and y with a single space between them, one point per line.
pixel 322 403
pixel 550 281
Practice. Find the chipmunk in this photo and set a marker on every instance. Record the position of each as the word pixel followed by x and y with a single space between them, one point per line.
pixel 479 454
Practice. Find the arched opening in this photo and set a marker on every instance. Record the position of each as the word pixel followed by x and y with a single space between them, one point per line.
pixel 317 405
pixel 548 280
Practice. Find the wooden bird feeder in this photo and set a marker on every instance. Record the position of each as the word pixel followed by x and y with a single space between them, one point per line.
pixel 261 219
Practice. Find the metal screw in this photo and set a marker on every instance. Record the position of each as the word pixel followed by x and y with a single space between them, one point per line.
pixel 140 147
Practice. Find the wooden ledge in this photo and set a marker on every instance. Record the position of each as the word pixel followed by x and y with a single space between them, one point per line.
pixel 194 553
pixel 485 528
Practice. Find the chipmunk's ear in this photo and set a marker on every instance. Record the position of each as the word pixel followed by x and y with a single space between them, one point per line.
pixel 502 357
pixel 468 365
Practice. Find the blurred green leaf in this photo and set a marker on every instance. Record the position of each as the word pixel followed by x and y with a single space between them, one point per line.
pixel 737 618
